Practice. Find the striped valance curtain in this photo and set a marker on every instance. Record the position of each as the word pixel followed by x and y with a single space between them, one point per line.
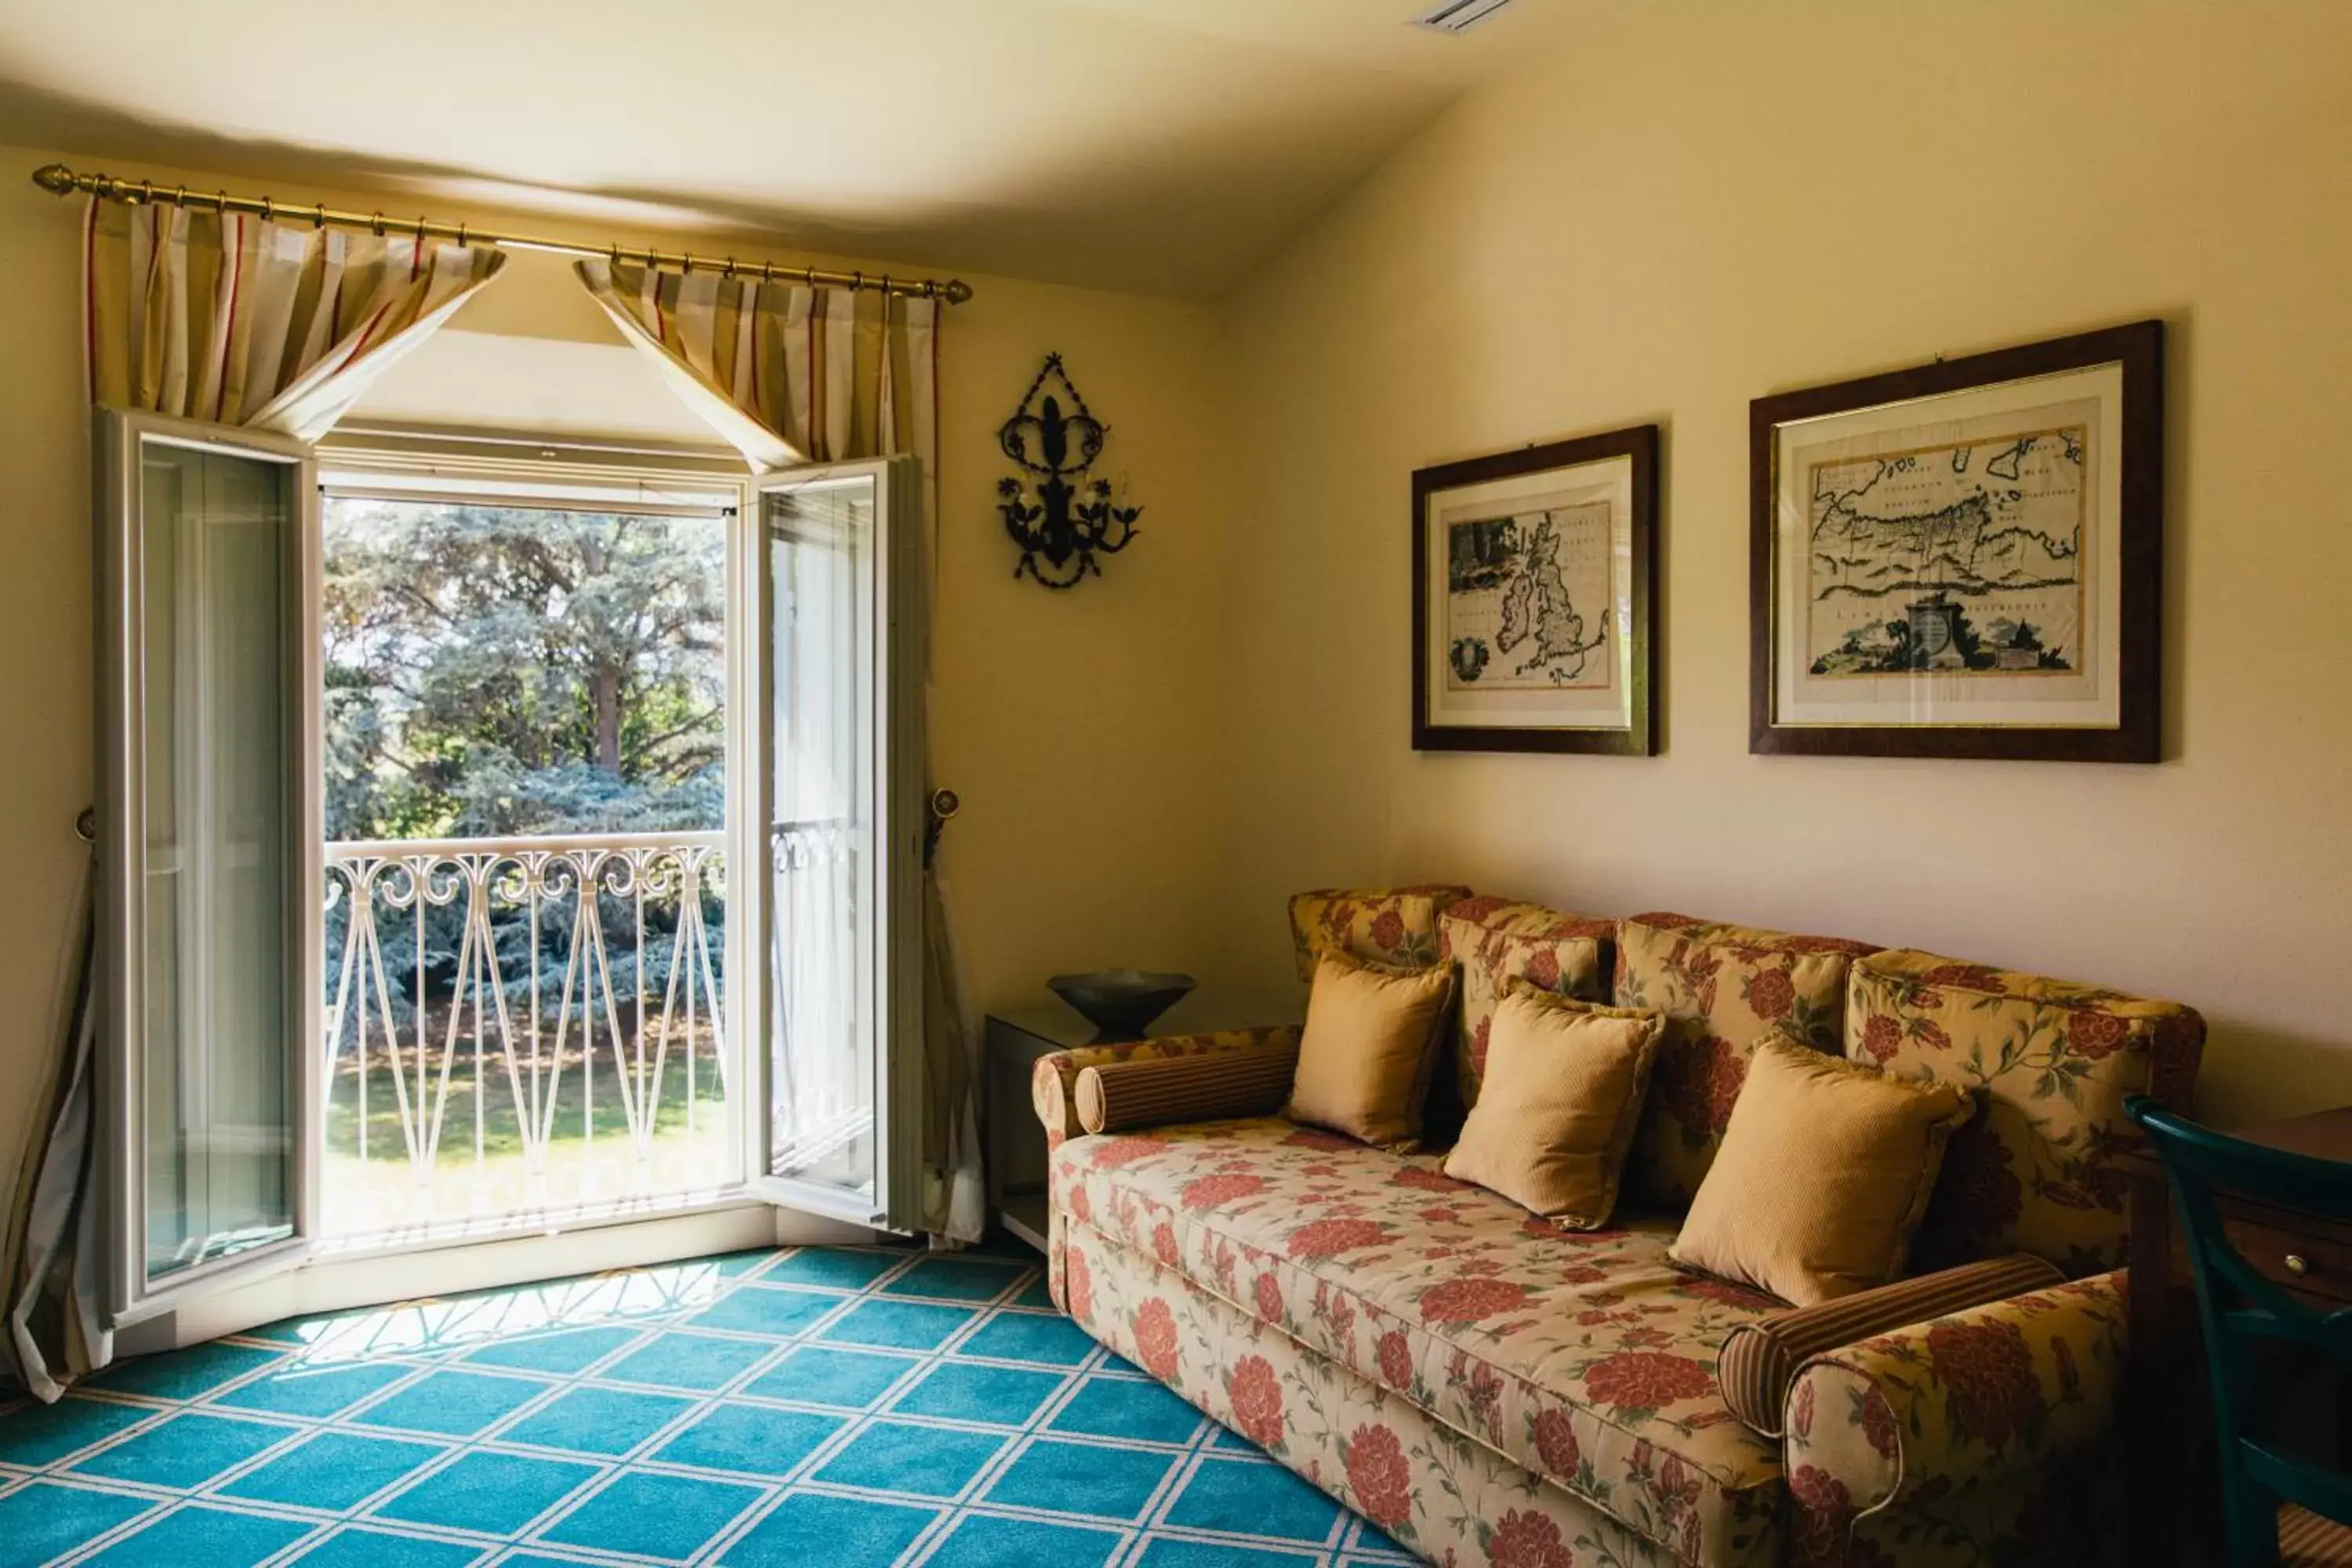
pixel 794 374
pixel 787 372
pixel 238 319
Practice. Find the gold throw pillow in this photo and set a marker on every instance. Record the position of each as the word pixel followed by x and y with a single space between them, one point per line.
pixel 1557 1109
pixel 1368 1048
pixel 1824 1170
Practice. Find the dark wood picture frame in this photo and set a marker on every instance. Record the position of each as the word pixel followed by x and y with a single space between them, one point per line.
pixel 2138 350
pixel 1640 739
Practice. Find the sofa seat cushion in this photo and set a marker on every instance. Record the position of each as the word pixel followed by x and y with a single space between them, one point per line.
pixel 1447 1497
pixel 1582 1356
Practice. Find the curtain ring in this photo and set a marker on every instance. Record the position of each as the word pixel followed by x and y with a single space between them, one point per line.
pixel 728 271
pixel 885 284
pixel 222 207
pixel 268 210
pixel 180 197
pixel 318 217
pixel 767 272
pixel 857 282
pixel 685 262
pixel 420 231
pixel 376 223
pixel 461 235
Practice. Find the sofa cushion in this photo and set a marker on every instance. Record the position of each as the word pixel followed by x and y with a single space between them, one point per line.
pixel 1369 1048
pixel 1722 988
pixel 1395 926
pixel 2039 1170
pixel 1822 1177
pixel 1582 1356
pixel 1495 942
pixel 1568 1080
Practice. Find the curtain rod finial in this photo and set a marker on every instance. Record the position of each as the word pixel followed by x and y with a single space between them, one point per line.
pixel 956 291
pixel 55 178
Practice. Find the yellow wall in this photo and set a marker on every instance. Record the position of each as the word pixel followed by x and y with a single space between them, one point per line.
pixel 1693 205
pixel 1062 717
pixel 1707 202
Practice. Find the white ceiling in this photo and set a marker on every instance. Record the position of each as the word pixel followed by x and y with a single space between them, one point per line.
pixel 1159 145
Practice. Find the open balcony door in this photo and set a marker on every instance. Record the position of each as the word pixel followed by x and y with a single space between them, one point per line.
pixel 840 758
pixel 207 846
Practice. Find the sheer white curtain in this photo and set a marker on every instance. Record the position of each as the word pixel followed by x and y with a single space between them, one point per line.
pixel 56 1327
pixel 789 374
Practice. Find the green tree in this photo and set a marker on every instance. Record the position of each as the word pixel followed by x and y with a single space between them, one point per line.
pixel 498 672
pixel 494 671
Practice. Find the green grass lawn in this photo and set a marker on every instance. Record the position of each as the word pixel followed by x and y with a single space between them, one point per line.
pixel 473 1178
pixel 501 1124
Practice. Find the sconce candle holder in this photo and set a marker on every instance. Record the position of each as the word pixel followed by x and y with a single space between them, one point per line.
pixel 1060 517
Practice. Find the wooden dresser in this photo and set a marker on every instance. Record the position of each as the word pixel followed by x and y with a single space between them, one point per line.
pixel 2174 1486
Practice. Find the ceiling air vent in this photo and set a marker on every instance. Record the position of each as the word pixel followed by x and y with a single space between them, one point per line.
pixel 1457 15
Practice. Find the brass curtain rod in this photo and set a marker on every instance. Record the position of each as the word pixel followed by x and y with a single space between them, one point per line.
pixel 59 180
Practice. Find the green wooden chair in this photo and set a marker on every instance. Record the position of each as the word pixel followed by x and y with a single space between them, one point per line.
pixel 2282 1510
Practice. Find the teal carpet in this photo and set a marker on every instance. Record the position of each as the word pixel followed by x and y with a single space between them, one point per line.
pixel 816 1406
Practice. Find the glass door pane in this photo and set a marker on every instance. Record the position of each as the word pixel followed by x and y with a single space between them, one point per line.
pixel 203 815
pixel 840 759
pixel 218 1078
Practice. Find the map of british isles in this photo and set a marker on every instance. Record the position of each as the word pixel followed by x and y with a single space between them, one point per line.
pixel 1526 598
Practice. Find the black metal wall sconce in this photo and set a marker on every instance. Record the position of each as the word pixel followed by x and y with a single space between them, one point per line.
pixel 1062 519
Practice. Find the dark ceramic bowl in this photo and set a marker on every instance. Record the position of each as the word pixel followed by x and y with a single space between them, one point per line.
pixel 1120 1003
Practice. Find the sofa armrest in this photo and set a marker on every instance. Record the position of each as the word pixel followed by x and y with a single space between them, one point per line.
pixel 1053 1081
pixel 1992 1401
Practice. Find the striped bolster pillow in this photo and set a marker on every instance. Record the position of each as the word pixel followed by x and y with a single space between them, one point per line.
pixel 2311 1541
pixel 1206 1088
pixel 1759 1361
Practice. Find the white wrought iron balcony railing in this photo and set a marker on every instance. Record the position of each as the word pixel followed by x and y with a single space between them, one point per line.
pixel 515 1026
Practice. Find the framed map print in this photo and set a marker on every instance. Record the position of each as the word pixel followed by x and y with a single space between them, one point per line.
pixel 1532 583
pixel 1963 560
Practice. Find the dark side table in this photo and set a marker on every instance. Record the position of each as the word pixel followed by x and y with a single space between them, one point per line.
pixel 1011 1045
pixel 2174 1480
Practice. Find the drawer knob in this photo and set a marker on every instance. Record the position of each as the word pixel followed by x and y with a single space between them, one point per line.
pixel 2297 1264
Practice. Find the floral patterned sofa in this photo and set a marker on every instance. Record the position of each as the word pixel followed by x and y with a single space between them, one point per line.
pixel 1488 1388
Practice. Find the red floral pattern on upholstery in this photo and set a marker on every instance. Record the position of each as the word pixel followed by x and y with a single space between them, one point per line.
pixel 1256 1389
pixel 1722 988
pixel 2040 1169
pixel 1526 1540
pixel 1582 1356
pixel 1395 926
pixel 1938 1445
pixel 1449 1496
pixel 1495 942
